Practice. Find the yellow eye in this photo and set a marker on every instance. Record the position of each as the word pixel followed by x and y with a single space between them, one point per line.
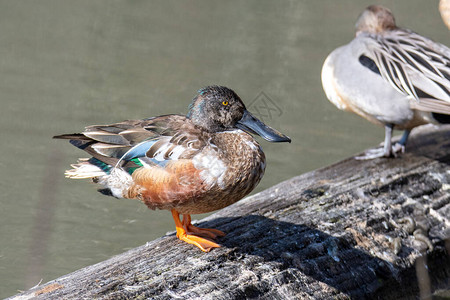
pixel 225 102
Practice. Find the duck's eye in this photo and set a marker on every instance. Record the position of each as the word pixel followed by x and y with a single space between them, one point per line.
pixel 225 103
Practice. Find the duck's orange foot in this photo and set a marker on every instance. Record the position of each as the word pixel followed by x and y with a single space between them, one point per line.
pixel 192 235
pixel 204 232
pixel 204 244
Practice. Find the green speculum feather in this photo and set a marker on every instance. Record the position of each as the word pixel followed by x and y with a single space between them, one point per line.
pixel 96 162
pixel 107 168
pixel 138 165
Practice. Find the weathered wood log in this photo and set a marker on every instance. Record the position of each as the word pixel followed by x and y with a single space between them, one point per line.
pixel 356 229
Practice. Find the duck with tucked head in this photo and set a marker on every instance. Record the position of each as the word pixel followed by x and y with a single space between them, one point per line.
pixel 190 164
pixel 390 76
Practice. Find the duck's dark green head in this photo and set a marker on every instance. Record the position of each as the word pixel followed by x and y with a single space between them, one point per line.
pixel 218 108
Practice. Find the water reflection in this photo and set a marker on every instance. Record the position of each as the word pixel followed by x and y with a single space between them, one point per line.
pixel 67 64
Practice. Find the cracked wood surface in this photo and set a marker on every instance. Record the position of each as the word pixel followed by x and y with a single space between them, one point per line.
pixel 356 229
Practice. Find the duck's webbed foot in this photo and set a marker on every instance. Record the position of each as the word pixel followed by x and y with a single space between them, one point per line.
pixel 209 233
pixel 200 237
pixel 373 153
pixel 388 150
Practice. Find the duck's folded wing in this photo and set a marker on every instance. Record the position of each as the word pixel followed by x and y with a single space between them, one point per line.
pixel 150 141
pixel 412 64
pixel 431 105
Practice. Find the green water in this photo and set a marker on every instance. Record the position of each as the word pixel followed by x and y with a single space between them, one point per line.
pixel 68 64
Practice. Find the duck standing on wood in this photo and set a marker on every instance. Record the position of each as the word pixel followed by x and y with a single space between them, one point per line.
pixel 390 76
pixel 189 164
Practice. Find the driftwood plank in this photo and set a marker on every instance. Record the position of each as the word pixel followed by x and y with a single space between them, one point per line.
pixel 356 229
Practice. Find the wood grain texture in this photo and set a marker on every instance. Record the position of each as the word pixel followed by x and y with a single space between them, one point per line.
pixel 356 229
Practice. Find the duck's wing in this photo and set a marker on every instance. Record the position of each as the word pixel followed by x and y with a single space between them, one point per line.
pixel 134 143
pixel 414 65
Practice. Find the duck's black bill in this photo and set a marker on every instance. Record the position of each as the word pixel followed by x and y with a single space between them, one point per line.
pixel 251 124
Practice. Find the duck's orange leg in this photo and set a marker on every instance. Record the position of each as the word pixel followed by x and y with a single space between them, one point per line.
pixel 204 244
pixel 204 232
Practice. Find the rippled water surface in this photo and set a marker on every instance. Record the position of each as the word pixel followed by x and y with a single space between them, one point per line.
pixel 68 64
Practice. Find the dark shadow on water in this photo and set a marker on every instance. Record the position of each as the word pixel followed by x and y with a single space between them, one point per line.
pixel 296 249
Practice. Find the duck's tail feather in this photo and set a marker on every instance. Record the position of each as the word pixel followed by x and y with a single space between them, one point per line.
pixel 88 168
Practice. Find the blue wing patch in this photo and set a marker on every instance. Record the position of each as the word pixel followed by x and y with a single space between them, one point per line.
pixel 138 153
pixel 139 150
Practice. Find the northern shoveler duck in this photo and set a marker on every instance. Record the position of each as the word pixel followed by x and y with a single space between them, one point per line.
pixel 390 76
pixel 189 164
